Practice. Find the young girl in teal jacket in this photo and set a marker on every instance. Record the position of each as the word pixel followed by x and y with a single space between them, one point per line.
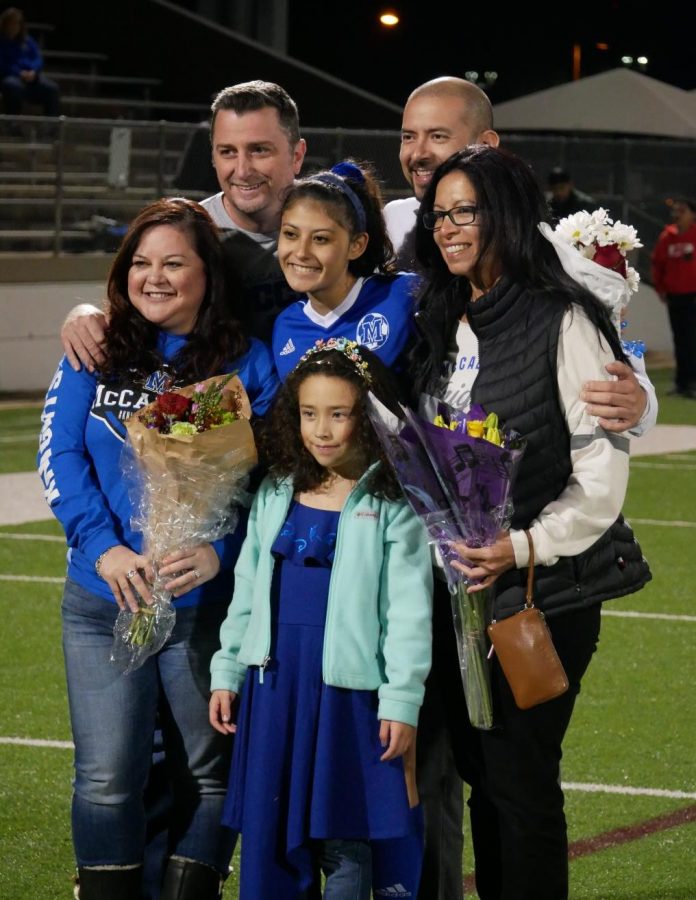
pixel 328 641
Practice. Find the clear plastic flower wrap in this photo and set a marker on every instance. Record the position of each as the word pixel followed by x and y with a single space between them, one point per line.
pixel 458 484
pixel 186 486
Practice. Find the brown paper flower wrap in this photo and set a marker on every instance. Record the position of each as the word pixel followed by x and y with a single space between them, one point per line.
pixel 185 490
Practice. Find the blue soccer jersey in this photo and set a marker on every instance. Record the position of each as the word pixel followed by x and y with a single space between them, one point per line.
pixel 377 313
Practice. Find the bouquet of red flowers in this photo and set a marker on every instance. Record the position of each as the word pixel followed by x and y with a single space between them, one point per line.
pixel 188 456
pixel 209 406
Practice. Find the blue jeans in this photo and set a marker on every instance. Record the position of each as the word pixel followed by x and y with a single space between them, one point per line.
pixel 41 91
pixel 347 866
pixel 113 721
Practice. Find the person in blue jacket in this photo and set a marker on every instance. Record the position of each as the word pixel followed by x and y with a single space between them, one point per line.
pixel 170 319
pixel 328 640
pixel 334 251
pixel 21 64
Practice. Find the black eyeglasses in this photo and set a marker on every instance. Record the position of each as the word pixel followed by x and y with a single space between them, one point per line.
pixel 458 215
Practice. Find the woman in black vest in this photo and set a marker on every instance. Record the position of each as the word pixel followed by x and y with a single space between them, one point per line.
pixel 501 324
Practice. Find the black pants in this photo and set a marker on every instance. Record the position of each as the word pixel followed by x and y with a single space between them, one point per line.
pixel 682 319
pixel 516 808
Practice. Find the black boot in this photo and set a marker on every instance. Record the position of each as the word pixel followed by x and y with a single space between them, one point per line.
pixel 187 879
pixel 109 884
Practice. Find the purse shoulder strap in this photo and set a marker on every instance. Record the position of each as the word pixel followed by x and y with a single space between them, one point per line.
pixel 529 593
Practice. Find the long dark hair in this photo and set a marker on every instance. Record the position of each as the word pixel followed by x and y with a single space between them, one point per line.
pixel 12 14
pixel 282 447
pixel 379 253
pixel 512 204
pixel 217 338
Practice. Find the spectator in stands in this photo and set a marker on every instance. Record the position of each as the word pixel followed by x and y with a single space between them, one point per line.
pixel 564 198
pixel 674 277
pixel 21 64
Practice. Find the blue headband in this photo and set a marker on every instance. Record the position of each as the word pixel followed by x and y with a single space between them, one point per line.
pixel 336 178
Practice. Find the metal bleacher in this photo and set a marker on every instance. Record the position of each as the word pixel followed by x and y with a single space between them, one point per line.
pixel 66 184
pixel 69 183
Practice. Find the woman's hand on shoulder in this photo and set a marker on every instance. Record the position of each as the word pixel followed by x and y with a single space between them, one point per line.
pixel 126 572
pixel 484 565
pixel 222 711
pixel 189 568
pixel 397 737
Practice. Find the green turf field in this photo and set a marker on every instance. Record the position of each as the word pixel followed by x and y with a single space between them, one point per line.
pixel 630 755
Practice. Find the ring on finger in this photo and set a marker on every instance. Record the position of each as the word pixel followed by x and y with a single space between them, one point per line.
pixel 131 574
pixel 196 574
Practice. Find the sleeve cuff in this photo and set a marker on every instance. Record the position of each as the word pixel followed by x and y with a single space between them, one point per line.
pixel 520 548
pixel 398 711
pixel 98 544
pixel 226 680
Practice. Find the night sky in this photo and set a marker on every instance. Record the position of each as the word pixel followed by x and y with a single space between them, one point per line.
pixel 530 45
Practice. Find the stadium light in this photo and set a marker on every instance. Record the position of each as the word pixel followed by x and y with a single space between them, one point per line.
pixel 389 19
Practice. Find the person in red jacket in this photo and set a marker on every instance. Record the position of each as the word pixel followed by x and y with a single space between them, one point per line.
pixel 674 278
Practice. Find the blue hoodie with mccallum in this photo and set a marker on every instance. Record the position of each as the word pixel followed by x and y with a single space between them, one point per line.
pixel 79 461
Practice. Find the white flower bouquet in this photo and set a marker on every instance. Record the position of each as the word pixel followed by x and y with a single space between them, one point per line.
pixel 593 250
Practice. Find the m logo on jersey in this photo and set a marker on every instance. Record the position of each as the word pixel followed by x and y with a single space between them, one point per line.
pixel 158 382
pixel 372 331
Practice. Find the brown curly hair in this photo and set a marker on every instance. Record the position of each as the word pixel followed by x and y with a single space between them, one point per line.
pixel 282 447
pixel 217 336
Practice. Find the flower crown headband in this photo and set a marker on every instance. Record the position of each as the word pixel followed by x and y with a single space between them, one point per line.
pixel 336 178
pixel 349 349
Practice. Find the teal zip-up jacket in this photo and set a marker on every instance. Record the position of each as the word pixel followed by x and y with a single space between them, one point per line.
pixel 378 618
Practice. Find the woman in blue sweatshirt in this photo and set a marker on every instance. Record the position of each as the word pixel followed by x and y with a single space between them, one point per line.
pixel 21 64
pixel 169 317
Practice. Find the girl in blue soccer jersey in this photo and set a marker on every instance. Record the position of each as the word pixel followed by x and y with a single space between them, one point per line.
pixel 169 317
pixel 334 250
pixel 328 639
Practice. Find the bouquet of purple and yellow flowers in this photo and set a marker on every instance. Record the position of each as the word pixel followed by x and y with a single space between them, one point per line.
pixel 457 473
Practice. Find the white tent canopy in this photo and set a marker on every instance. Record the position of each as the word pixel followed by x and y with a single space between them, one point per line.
pixel 620 101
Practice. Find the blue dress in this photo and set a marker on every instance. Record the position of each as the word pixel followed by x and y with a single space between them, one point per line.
pixel 307 756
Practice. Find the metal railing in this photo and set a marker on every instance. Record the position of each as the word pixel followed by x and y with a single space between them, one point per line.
pixel 62 179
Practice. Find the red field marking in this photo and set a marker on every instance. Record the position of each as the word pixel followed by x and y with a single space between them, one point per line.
pixel 618 836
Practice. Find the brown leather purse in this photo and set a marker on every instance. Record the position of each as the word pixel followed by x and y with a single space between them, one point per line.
pixel 525 650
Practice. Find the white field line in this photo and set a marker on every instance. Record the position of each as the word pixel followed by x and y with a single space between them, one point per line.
pixel 29 437
pixel 620 614
pixel 681 457
pixel 19 536
pixel 567 785
pixel 40 579
pixel 628 614
pixel 671 468
pixel 35 742
pixel 670 523
pixel 626 790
